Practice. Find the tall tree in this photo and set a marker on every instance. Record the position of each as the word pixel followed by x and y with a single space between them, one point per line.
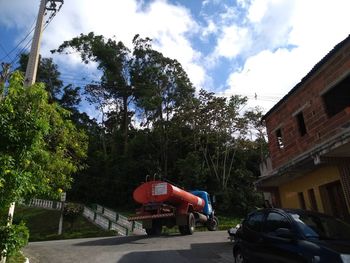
pixel 48 74
pixel 161 88
pixel 113 59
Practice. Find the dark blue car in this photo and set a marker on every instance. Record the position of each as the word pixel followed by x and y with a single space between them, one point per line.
pixel 291 235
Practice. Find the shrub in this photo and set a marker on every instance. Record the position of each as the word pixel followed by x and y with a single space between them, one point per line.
pixel 71 212
pixel 12 239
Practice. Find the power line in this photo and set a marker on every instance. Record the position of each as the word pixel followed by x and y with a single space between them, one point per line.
pixel 21 51
pixel 20 42
pixel 3 49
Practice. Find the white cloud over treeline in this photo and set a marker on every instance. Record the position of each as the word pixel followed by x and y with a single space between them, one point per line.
pixel 275 41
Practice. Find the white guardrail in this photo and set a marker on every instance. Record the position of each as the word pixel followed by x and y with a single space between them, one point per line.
pixel 103 217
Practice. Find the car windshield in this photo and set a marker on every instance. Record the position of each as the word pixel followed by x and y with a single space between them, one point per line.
pixel 322 227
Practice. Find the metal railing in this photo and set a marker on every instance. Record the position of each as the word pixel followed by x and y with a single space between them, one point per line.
pixel 101 216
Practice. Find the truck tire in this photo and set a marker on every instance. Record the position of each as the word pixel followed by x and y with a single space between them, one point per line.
pixel 190 227
pixel 191 224
pixel 156 229
pixel 213 224
pixel 182 230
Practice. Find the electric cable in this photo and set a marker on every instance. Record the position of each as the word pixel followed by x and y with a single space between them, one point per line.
pixel 20 42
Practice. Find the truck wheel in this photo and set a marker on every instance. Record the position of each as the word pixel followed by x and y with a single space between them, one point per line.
pixel 155 230
pixel 149 232
pixel 190 227
pixel 191 224
pixel 182 230
pixel 213 224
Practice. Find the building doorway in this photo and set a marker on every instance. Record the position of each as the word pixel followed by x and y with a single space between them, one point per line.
pixel 333 200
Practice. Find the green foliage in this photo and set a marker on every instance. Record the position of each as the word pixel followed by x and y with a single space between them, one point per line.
pixel 40 147
pixel 204 142
pixel 47 73
pixel 12 238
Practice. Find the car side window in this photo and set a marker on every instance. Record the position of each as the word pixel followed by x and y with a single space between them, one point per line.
pixel 254 221
pixel 274 221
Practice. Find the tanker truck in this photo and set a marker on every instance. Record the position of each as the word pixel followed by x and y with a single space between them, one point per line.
pixel 164 204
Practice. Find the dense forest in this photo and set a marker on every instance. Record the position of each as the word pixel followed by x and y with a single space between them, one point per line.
pixel 153 122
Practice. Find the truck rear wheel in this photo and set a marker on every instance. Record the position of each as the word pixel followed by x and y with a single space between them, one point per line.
pixel 190 227
pixel 191 224
pixel 155 230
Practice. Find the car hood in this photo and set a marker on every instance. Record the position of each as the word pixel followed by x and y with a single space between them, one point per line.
pixel 340 246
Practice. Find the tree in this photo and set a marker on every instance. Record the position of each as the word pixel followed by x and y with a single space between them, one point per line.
pixel 161 88
pixel 113 59
pixel 47 73
pixel 40 147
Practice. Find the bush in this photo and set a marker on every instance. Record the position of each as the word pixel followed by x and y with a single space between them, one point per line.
pixel 12 239
pixel 72 211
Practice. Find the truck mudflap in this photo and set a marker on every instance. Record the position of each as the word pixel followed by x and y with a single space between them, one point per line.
pixel 143 217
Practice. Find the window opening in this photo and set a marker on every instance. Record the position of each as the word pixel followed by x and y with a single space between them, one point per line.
pixel 312 199
pixel 301 124
pixel 301 200
pixel 337 98
pixel 279 139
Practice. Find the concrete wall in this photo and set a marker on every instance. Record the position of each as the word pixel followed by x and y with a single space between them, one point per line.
pixel 289 191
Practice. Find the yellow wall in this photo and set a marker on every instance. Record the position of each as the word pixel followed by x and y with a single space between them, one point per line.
pixel 289 191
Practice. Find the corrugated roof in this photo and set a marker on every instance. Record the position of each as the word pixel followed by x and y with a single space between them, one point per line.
pixel 308 75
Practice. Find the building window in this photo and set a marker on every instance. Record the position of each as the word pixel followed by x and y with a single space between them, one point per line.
pixel 337 98
pixel 279 139
pixel 301 200
pixel 312 199
pixel 301 123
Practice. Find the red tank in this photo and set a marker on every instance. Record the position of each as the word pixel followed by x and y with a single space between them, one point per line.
pixel 163 192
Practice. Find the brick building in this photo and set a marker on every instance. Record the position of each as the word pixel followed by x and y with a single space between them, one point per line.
pixel 309 140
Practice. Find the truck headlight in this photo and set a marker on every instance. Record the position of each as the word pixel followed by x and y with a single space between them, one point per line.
pixel 345 258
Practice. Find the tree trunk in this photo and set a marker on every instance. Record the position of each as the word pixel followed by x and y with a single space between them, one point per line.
pixel 125 123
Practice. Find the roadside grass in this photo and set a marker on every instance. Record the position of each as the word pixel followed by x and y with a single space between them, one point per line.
pixel 43 225
pixel 226 222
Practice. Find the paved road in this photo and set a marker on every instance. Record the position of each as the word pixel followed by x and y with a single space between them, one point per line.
pixel 199 247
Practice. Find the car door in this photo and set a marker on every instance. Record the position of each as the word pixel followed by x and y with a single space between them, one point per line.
pixel 251 236
pixel 278 247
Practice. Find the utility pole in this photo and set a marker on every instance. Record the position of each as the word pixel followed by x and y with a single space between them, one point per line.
pixel 32 65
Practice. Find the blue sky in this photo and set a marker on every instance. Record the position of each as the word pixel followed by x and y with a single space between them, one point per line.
pixel 256 48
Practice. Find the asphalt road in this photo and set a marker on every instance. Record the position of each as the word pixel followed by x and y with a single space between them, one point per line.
pixel 199 247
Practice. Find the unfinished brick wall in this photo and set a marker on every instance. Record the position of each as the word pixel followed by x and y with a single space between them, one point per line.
pixel 307 98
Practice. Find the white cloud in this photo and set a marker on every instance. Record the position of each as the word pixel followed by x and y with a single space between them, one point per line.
pixel 266 77
pixel 233 40
pixel 273 43
pixel 17 13
pixel 211 28
pixel 272 71
pixel 169 25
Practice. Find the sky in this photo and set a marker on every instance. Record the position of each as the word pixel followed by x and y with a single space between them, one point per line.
pixel 256 48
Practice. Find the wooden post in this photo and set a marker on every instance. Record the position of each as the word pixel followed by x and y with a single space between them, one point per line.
pixel 60 224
